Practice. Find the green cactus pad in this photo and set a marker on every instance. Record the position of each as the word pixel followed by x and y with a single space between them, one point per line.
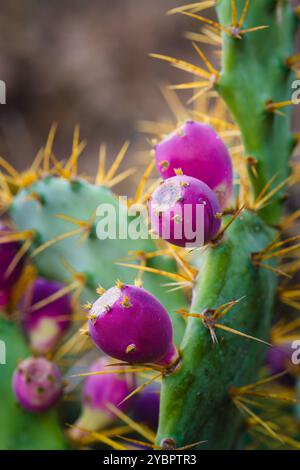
pixel 93 257
pixel 195 401
pixel 19 429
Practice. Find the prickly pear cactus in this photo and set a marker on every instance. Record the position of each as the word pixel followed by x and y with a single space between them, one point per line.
pixel 208 357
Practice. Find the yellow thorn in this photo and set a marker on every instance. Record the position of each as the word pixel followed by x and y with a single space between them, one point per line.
pixel 149 435
pixel 244 12
pixel 87 306
pixel 198 6
pixel 272 107
pixel 100 290
pixel 144 179
pixel 182 65
pixel 101 168
pixel 54 240
pixel 234 14
pixel 118 160
pixel 130 348
pixel 213 71
pixel 290 61
pixel 126 302
pixel 206 20
pixel 84 332
pixel 48 147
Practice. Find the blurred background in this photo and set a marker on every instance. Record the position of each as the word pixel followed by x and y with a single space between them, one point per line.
pixel 86 62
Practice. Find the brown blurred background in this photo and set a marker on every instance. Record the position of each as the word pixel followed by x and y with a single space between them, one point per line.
pixel 86 62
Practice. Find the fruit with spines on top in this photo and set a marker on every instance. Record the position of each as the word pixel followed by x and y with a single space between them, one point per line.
pixel 37 384
pixel 130 324
pixel 46 315
pixel 199 151
pixel 185 212
pixel 103 388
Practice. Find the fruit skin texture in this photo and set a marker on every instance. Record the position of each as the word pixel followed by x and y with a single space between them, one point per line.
pixel 131 325
pixel 45 326
pixel 175 212
pixel 146 407
pixel 7 253
pixel 98 390
pixel 198 150
pixel 278 359
pixel 37 384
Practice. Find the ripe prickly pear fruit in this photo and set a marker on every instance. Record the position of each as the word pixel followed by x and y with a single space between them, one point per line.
pixel 146 406
pixel 278 360
pixel 131 325
pixel 37 384
pixel 45 322
pixel 98 391
pixel 184 211
pixel 199 151
pixel 8 252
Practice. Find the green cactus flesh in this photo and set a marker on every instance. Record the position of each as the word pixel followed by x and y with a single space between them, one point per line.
pixel 19 429
pixel 208 370
pixel 253 73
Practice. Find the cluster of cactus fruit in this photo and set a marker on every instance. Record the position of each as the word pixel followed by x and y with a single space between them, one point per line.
pixel 176 368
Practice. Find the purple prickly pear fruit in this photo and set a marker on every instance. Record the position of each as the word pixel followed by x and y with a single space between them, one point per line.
pixel 37 384
pixel 98 391
pixel 131 325
pixel 185 212
pixel 8 252
pixel 46 324
pixel 278 360
pixel 146 406
pixel 199 151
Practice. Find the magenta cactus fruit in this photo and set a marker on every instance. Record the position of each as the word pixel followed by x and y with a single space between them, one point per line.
pixel 279 360
pixel 98 391
pixel 185 212
pixel 37 384
pixel 131 325
pixel 146 406
pixel 200 152
pixel 8 251
pixel 45 322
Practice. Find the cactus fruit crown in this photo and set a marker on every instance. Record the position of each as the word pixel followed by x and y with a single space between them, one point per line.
pixel 37 384
pixel 206 352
